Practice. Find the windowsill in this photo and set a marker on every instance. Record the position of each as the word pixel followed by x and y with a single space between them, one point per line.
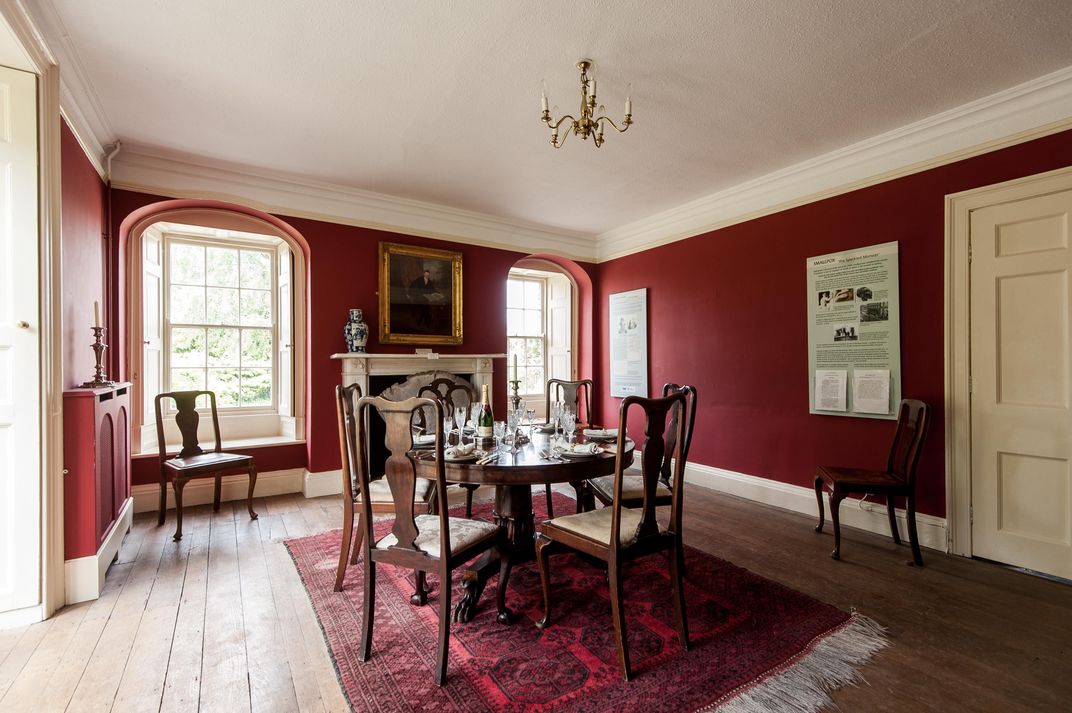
pixel 232 444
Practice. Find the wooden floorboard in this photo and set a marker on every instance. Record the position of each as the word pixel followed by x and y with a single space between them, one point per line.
pixel 221 621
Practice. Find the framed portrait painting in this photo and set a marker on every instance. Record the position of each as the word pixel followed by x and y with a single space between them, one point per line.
pixel 420 295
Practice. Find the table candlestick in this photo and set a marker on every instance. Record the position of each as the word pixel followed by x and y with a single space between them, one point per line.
pixel 515 400
pixel 99 346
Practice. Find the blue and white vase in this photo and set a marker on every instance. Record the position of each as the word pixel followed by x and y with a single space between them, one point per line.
pixel 356 332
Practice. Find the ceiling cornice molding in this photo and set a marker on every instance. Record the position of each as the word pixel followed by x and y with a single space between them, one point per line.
pixel 1027 111
pixel 151 170
pixel 79 104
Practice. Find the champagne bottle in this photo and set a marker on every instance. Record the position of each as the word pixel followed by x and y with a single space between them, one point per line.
pixel 485 421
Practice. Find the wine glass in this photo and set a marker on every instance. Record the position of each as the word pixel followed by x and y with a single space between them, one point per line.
pixel 460 412
pixel 499 432
pixel 512 424
pixel 556 415
pixel 448 424
pixel 474 415
pixel 569 425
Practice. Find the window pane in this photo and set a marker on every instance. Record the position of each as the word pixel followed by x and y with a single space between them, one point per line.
pixel 256 347
pixel 533 323
pixel 256 269
pixel 187 264
pixel 187 305
pixel 188 380
pixel 226 385
pixel 514 321
pixel 223 348
pixel 515 347
pixel 515 293
pixel 256 307
pixel 222 305
pixel 222 267
pixel 533 381
pixel 256 387
pixel 534 352
pixel 187 347
pixel 533 295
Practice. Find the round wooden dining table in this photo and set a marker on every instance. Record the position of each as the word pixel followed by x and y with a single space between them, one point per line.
pixel 513 474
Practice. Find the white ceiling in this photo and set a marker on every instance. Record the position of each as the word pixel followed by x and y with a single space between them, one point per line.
pixel 438 101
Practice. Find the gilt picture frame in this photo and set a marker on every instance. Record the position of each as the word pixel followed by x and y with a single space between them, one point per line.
pixel 420 295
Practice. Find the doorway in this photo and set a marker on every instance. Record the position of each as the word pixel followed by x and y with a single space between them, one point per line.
pixel 1019 404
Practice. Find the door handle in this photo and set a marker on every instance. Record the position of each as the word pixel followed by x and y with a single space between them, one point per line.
pixel 22 324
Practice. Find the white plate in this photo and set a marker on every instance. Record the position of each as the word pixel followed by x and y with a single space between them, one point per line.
pixel 545 427
pixel 461 459
pixel 425 441
pixel 604 437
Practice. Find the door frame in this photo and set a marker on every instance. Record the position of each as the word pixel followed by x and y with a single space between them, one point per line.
pixel 38 59
pixel 958 209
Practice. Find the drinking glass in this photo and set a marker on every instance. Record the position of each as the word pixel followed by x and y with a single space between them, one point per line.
pixel 460 413
pixel 513 422
pixel 500 432
pixel 556 415
pixel 448 424
pixel 474 414
pixel 569 425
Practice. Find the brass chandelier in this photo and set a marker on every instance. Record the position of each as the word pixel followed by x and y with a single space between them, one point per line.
pixel 592 121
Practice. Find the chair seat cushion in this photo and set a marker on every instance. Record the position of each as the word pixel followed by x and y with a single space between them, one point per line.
pixel 463 533
pixel 632 487
pixel 595 525
pixel 858 477
pixel 380 491
pixel 209 460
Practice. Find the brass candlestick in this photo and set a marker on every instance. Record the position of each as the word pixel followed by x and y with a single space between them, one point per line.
pixel 98 351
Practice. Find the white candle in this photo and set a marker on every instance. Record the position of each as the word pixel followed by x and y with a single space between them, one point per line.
pixel 515 367
pixel 593 90
pixel 543 95
pixel 629 100
pixel 96 313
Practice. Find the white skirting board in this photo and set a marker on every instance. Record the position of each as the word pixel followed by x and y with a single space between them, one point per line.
pixel 326 482
pixel 866 516
pixel 84 577
pixel 235 487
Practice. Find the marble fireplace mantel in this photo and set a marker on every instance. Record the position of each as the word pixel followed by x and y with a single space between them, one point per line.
pixel 357 367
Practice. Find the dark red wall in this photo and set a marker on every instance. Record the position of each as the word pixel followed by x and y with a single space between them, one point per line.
pixel 82 226
pixel 727 313
pixel 343 274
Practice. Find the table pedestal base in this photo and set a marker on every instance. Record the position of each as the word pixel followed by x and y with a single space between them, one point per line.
pixel 513 514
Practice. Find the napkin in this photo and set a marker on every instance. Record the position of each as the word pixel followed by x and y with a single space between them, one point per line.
pixel 585 449
pixel 601 432
pixel 460 451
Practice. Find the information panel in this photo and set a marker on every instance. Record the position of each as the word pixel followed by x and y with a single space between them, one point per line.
pixel 854 333
pixel 629 343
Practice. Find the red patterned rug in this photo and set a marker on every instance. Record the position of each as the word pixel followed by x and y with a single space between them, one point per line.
pixel 756 645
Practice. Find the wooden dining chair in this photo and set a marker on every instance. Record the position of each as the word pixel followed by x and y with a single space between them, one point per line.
pixel 423 542
pixel 379 493
pixel 897 480
pixel 618 534
pixel 633 484
pixel 573 393
pixel 451 394
pixel 193 461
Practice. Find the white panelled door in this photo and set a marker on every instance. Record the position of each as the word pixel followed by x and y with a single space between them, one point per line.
pixel 1021 303
pixel 20 328
pixel 559 328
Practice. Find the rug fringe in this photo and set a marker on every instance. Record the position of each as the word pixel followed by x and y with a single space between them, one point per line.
pixel 804 684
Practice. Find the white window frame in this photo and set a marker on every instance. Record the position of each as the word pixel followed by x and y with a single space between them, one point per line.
pixel 239 427
pixel 171 237
pixel 519 276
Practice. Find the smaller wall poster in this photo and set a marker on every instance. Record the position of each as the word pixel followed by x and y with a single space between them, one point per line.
pixel 629 343
pixel 854 333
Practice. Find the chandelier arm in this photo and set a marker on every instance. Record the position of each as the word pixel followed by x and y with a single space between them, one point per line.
pixel 554 126
pixel 561 143
pixel 622 130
